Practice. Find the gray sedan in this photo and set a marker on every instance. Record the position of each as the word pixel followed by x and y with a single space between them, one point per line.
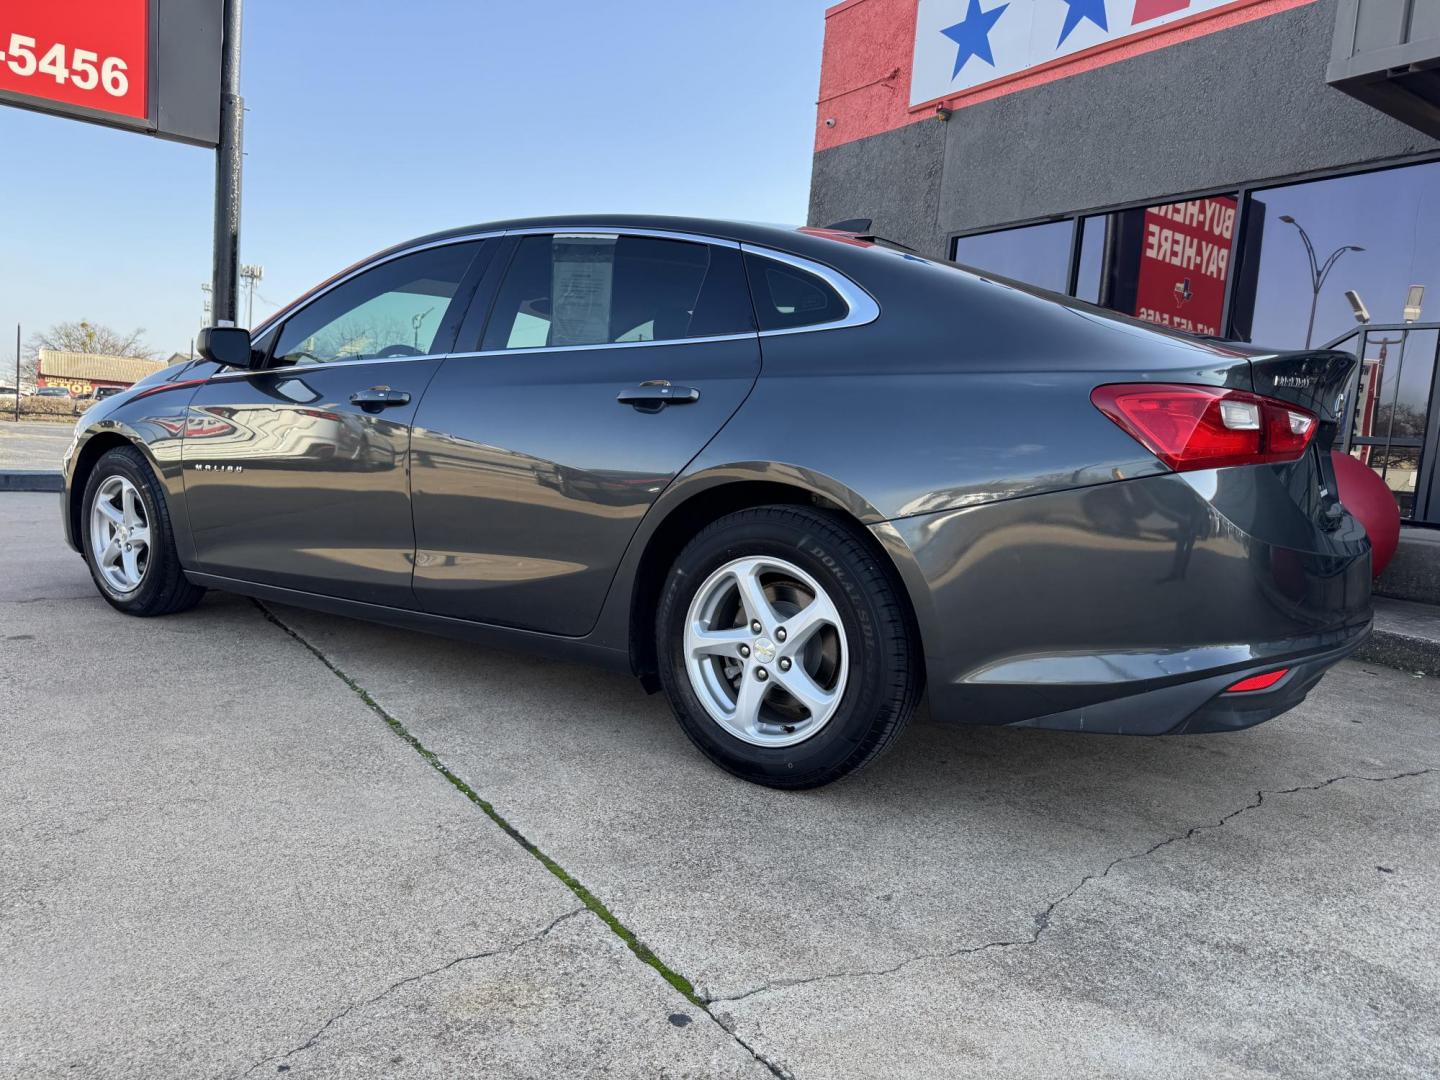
pixel 796 479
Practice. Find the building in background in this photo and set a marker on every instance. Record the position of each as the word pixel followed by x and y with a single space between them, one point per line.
pixel 84 373
pixel 1224 167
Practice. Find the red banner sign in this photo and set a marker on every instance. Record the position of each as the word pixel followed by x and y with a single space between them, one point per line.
pixel 88 53
pixel 1185 263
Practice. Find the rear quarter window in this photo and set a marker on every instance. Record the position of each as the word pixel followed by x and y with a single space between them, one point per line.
pixel 788 298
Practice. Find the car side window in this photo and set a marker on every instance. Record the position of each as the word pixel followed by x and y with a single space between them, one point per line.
pixel 396 309
pixel 787 298
pixel 602 289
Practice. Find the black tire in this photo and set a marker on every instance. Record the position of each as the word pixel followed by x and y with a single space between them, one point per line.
pixel 163 588
pixel 884 680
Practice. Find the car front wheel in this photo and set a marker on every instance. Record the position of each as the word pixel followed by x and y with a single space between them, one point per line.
pixel 785 647
pixel 128 539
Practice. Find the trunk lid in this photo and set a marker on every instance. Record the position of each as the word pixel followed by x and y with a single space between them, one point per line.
pixel 1315 381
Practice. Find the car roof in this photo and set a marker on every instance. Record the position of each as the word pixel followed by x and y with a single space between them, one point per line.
pixel 816 243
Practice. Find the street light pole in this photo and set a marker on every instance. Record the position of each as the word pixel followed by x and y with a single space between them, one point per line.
pixel 1318 271
pixel 228 160
pixel 250 276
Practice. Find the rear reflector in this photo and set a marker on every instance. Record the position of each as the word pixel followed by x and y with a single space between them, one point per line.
pixel 1206 427
pixel 1258 682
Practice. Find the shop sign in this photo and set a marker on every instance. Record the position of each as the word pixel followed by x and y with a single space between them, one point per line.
pixel 151 66
pixel 963 44
pixel 1185 264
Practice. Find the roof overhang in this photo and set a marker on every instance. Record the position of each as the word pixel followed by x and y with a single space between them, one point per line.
pixel 1387 54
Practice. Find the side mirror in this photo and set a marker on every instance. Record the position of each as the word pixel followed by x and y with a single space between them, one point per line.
pixel 228 345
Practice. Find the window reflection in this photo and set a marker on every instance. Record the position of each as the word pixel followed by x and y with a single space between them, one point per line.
pixel 1037 254
pixel 1168 264
pixel 1399 467
pixel 1392 406
pixel 1389 214
pixel 1092 258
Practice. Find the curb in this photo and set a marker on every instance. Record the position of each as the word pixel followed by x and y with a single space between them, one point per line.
pixel 1406 635
pixel 31 480
pixel 1413 654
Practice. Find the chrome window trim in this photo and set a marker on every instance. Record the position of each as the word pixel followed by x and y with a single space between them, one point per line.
pixel 537 349
pixel 616 231
pixel 863 308
pixel 290 369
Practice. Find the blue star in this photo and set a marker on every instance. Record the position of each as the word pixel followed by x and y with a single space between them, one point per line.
pixel 973 35
pixel 1094 10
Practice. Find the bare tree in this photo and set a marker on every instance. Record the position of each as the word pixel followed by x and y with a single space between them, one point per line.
pixel 83 337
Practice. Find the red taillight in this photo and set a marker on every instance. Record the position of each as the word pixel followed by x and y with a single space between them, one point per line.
pixel 1258 682
pixel 1206 427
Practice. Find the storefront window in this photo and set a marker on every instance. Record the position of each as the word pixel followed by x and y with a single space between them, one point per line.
pixel 1037 254
pixel 1382 231
pixel 1168 264
pixel 1092 258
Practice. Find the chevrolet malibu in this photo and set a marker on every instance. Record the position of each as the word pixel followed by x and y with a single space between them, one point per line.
pixel 797 479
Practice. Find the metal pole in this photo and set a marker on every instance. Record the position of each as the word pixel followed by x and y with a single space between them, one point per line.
pixel 1314 303
pixel 17 372
pixel 228 161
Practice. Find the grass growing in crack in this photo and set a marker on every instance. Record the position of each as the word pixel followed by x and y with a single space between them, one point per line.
pixel 586 897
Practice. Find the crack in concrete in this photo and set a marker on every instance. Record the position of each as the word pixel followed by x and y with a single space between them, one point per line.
pixel 1043 917
pixel 504 950
pixel 591 902
pixel 775 1068
pixel 87 598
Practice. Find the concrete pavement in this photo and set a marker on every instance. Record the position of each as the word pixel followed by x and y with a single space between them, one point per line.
pixel 216 856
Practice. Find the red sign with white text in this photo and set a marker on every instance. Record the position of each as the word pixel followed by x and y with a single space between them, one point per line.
pixel 1185 263
pixel 88 53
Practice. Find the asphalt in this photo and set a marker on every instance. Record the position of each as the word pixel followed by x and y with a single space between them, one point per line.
pixel 265 841
pixel 33 444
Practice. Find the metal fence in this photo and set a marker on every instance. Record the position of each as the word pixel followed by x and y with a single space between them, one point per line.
pixel 1392 418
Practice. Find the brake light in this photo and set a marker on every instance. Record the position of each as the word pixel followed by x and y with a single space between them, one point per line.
pixel 1206 427
pixel 1258 682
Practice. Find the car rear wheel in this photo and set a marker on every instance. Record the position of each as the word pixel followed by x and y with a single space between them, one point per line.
pixel 785 647
pixel 128 539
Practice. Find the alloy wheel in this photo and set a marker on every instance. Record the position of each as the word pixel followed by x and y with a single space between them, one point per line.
pixel 766 651
pixel 120 535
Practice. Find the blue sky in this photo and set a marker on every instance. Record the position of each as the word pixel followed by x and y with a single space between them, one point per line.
pixel 373 121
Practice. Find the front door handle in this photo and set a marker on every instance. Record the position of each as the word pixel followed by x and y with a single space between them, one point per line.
pixel 654 396
pixel 379 397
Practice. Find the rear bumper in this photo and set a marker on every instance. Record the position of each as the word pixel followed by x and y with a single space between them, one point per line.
pixel 1199 706
pixel 1129 608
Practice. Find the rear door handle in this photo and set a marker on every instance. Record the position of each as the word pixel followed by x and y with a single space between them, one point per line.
pixel 379 397
pixel 652 397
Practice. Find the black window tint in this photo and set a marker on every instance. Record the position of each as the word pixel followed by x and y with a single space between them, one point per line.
pixel 787 297
pixel 396 309
pixel 724 304
pixel 261 345
pixel 597 290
